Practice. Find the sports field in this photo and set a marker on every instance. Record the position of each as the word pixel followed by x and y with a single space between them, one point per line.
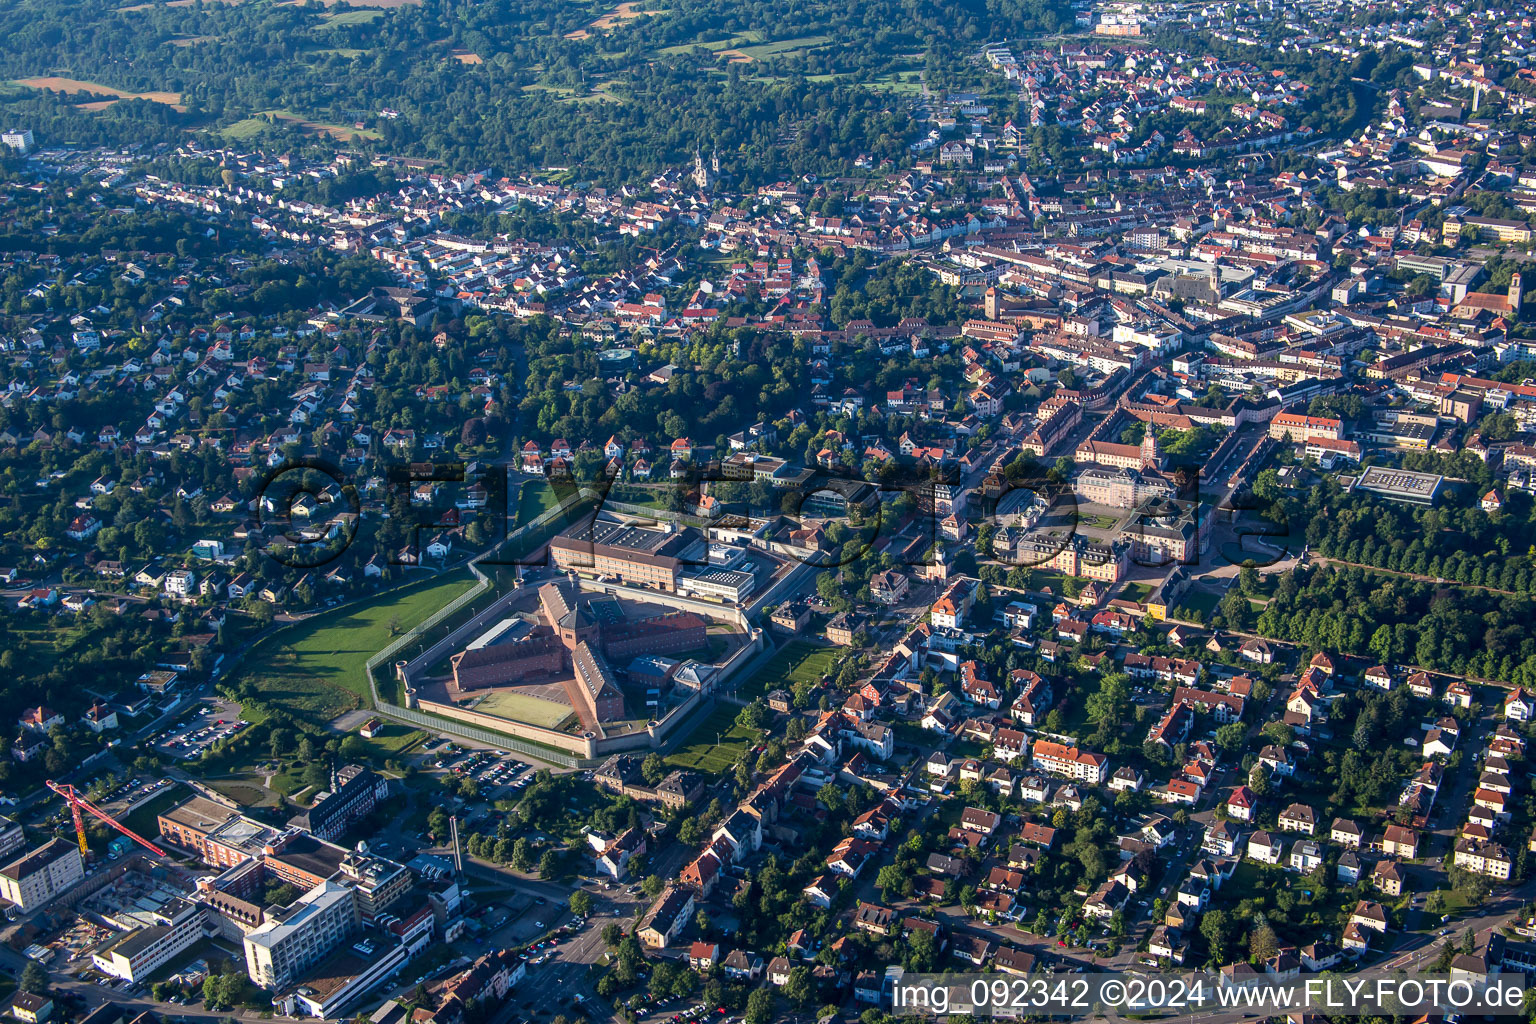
pixel 703 754
pixel 520 707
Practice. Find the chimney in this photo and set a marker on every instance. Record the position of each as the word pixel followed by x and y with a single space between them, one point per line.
pixel 458 858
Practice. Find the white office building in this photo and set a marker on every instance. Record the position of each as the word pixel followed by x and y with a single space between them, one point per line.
pixel 299 935
pixel 36 878
pixel 176 927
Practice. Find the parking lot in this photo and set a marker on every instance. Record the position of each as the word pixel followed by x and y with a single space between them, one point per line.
pixel 491 769
pixel 680 1011
pixel 214 720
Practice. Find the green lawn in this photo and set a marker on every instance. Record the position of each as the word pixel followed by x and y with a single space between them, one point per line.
pixel 715 45
pixel 353 17
pixel 336 131
pixel 394 740
pixel 702 754
pixel 799 660
pixel 1059 583
pixel 650 497
pixel 246 129
pixel 1455 902
pixel 1137 592
pixel 315 669
pixel 534 498
pixel 142 818
pixel 1096 521
pixel 898 82
pixel 784 47
pixel 1202 601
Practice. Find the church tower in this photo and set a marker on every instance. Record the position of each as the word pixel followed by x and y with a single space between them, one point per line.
pixel 701 174
pixel 1515 286
pixel 1151 458
pixel 937 569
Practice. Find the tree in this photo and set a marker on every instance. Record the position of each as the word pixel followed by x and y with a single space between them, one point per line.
pixel 653 769
pixel 549 865
pixel 754 715
pixel 759 1006
pixel 1214 929
pixel 581 903
pixel 799 988
pixel 891 879
pixel 33 978
pixel 1230 736
pixel 653 886
pixel 1108 706
pixel 1258 781
pixel 279 894
pixel 522 854
pixel 1262 941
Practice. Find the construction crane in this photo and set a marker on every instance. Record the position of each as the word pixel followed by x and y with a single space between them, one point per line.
pixel 77 803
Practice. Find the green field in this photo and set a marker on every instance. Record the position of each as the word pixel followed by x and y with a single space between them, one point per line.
pixel 1137 592
pixel 716 45
pixel 315 669
pixel 341 132
pixel 520 707
pixel 908 82
pixel 394 739
pixel 799 660
pixel 1059 583
pixel 534 498
pixel 702 754
pixel 783 47
pixel 353 17
pixel 1201 601
pixel 246 129
pixel 599 94
pixel 142 819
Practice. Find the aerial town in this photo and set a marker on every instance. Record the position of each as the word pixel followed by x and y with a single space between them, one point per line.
pixel 1097 534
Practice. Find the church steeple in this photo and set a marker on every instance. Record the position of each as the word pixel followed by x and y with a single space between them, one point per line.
pixel 703 176
pixel 1151 458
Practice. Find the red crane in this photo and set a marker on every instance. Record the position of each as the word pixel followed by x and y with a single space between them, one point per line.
pixel 77 803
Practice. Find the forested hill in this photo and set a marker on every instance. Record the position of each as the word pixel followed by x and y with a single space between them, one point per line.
pixel 614 91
